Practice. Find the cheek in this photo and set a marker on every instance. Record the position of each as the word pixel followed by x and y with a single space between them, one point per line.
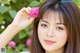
pixel 61 37
pixel 41 31
pixel 40 34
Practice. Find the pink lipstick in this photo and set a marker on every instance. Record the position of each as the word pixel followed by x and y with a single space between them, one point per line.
pixel 49 42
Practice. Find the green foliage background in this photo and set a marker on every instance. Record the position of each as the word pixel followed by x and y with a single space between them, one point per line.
pixel 8 10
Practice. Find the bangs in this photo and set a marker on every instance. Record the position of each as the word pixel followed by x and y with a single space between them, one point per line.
pixel 51 13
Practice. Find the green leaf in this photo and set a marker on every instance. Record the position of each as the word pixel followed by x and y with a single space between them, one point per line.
pixel 5 1
pixel 3 9
pixel 34 4
pixel 13 1
pixel 77 2
pixel 16 39
pixel 25 49
pixel 42 1
pixel 20 46
pixel 1 30
pixel 22 34
pixel 12 13
pixel 10 51
pixel 1 19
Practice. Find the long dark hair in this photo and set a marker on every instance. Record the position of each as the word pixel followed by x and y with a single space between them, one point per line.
pixel 71 14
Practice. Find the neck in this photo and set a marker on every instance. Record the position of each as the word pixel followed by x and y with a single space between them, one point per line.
pixel 61 50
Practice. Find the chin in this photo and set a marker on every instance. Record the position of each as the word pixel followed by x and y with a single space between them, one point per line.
pixel 50 49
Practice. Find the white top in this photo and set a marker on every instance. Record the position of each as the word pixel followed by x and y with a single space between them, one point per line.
pixel 25 52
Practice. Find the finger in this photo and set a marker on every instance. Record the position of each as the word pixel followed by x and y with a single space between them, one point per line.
pixel 24 11
pixel 28 9
pixel 31 19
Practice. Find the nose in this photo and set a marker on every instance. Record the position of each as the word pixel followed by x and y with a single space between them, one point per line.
pixel 50 33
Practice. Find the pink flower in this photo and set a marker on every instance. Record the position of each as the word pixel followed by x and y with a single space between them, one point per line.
pixel 34 12
pixel 12 44
pixel 28 42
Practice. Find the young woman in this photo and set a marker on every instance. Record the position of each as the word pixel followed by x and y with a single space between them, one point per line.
pixel 56 30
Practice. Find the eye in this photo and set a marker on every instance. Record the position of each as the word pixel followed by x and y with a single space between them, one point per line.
pixel 59 28
pixel 44 25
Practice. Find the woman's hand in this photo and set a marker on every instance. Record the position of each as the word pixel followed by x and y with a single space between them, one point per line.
pixel 23 18
pixel 21 21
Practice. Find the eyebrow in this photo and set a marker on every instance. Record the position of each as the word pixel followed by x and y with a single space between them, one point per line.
pixel 48 22
pixel 44 21
pixel 59 23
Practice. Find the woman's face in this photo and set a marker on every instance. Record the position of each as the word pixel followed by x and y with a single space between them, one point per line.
pixel 52 32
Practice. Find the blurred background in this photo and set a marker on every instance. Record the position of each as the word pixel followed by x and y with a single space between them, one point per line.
pixel 8 9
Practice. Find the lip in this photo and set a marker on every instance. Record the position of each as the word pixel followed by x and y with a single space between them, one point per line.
pixel 49 42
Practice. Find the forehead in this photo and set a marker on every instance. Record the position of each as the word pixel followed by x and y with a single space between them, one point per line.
pixel 53 16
